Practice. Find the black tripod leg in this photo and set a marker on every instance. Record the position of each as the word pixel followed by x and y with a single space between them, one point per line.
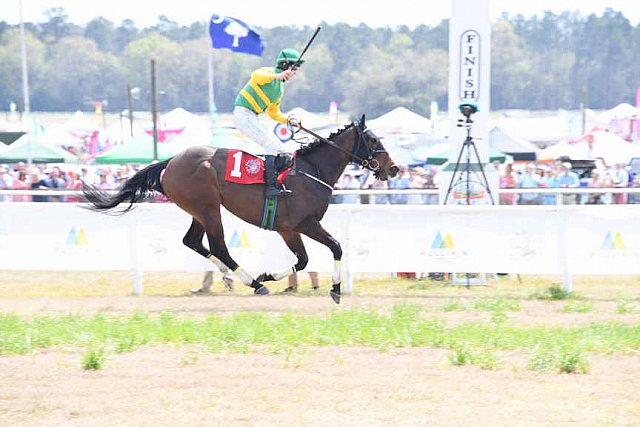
pixel 455 170
pixel 484 177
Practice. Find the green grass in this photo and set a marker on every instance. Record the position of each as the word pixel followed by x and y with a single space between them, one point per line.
pixel 560 359
pixel 247 331
pixel 626 307
pixel 93 359
pixel 552 293
pixel 578 307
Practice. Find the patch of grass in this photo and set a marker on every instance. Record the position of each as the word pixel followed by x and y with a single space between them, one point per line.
pixel 454 305
pixel 93 359
pixel 626 307
pixel 461 356
pixel 497 305
pixel 552 293
pixel 578 307
pixel 486 360
pixel 573 362
pixel 402 326
pixel 481 357
pixel 560 359
pixel 543 360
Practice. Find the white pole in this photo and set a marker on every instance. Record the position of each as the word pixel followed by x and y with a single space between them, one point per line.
pixel 135 258
pixel 563 252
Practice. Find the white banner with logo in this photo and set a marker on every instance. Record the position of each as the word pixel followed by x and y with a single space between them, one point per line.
pixel 601 239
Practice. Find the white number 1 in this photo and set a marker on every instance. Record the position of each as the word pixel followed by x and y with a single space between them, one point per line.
pixel 237 157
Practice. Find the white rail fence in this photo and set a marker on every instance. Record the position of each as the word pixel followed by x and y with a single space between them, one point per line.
pixel 555 240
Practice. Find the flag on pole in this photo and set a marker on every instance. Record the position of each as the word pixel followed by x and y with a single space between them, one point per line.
pixel 233 34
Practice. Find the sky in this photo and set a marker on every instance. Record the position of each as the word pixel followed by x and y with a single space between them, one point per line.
pixel 261 13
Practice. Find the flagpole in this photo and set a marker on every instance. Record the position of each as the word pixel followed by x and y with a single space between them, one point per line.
pixel 25 84
pixel 212 103
pixel 25 74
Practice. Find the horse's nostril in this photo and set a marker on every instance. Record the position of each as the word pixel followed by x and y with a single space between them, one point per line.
pixel 393 171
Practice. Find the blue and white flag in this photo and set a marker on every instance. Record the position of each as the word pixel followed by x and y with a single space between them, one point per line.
pixel 233 34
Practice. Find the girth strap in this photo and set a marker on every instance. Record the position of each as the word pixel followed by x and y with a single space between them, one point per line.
pixel 269 212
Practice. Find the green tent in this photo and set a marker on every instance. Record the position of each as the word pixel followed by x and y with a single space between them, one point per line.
pixel 441 157
pixel 28 149
pixel 138 149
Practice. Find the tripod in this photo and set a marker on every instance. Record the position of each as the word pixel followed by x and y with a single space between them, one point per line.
pixel 467 148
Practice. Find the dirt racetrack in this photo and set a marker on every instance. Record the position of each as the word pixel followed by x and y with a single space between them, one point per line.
pixel 187 385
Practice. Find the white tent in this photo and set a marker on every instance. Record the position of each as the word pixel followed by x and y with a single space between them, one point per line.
pixel 594 145
pixel 620 111
pixel 179 118
pixel 191 137
pixel 80 123
pixel 400 120
pixel 541 131
pixel 519 148
pixel 308 120
pixel 57 134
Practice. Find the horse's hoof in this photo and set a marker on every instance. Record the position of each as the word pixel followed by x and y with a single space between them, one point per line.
pixel 335 293
pixel 262 290
pixel 265 277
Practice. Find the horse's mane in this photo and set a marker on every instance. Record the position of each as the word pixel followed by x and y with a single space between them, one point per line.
pixel 309 148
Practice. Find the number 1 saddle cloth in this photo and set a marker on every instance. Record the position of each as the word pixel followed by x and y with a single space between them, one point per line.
pixel 246 168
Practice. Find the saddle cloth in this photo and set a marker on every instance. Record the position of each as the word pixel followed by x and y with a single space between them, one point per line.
pixel 245 168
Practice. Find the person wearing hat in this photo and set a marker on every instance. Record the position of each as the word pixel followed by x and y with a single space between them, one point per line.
pixel 568 179
pixel 263 93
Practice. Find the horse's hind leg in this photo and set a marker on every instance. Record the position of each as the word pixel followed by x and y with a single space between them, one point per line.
pixel 193 240
pixel 295 245
pixel 212 224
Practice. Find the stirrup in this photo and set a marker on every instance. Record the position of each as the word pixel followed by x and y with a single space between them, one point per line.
pixel 275 191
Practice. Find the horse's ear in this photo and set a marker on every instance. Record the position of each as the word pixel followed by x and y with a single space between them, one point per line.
pixel 361 123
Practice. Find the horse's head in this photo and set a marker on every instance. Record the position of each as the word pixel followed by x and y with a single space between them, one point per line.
pixel 369 152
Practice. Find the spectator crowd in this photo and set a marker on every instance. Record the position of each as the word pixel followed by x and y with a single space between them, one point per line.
pixel 522 176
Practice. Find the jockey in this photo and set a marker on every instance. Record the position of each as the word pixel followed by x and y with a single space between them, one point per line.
pixel 263 93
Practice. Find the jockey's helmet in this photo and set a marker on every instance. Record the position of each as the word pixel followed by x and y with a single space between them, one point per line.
pixel 290 56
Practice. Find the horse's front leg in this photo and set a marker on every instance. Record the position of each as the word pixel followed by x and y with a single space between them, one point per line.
pixel 312 228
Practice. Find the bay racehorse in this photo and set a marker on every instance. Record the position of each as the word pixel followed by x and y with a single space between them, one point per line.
pixel 195 181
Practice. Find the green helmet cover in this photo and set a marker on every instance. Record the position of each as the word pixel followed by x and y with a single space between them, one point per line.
pixel 289 55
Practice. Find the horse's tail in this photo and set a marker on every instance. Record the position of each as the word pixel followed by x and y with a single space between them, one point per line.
pixel 136 189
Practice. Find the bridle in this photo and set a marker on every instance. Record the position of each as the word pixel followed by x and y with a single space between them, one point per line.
pixel 366 159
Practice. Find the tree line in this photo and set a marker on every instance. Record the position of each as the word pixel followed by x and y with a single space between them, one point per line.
pixel 555 61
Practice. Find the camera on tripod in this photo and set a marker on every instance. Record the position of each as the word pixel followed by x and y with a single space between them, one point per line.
pixel 467 110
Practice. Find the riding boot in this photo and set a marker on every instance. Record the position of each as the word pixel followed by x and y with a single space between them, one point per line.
pixel 270 177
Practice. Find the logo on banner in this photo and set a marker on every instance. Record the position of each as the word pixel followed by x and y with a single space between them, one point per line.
pixel 613 247
pixel 613 242
pixel 77 238
pixel 443 246
pixel 76 242
pixel 239 240
pixel 440 242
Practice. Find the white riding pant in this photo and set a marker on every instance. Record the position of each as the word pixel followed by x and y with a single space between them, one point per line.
pixel 249 124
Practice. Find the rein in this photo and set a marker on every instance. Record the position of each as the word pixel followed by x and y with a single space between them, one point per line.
pixel 368 163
